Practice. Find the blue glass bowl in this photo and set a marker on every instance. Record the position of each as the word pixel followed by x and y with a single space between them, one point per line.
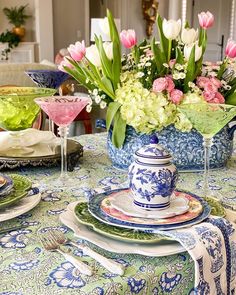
pixel 47 78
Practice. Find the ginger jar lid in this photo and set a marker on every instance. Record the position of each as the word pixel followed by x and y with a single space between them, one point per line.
pixel 153 153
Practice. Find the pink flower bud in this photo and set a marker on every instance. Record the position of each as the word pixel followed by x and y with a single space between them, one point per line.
pixel 230 50
pixel 77 50
pixel 159 85
pixel 176 96
pixel 206 19
pixel 172 63
pixel 65 63
pixel 128 38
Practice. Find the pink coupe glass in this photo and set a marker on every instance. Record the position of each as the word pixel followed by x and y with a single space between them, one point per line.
pixel 62 110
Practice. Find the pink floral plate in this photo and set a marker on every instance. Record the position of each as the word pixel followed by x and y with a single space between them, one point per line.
pixel 195 209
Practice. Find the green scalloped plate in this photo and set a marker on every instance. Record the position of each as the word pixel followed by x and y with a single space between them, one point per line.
pixel 21 185
pixel 216 208
pixel 122 234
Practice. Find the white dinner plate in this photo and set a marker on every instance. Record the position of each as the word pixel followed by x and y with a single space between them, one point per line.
pixel 163 248
pixel 23 206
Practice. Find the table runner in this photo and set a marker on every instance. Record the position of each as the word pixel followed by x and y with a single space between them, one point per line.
pixel 26 269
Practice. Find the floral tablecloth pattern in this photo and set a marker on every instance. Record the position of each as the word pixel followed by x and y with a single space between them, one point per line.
pixel 25 268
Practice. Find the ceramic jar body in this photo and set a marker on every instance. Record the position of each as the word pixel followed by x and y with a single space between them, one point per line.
pixel 152 182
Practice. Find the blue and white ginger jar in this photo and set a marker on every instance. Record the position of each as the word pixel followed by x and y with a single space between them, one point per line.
pixel 152 177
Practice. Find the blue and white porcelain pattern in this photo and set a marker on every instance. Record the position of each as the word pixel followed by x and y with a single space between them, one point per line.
pixel 94 206
pixel 152 177
pixel 185 147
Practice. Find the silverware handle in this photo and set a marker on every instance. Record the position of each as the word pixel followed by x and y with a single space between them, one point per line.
pixel 109 264
pixel 82 267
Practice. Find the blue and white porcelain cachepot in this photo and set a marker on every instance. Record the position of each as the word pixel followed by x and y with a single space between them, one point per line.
pixel 152 177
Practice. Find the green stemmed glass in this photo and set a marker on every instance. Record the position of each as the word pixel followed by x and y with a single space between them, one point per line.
pixel 208 119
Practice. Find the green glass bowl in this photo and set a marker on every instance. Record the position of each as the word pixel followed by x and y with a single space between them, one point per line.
pixel 18 110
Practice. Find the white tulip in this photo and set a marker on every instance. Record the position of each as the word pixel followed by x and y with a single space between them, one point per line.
pixel 92 55
pixel 108 47
pixel 104 26
pixel 188 49
pixel 171 28
pixel 189 36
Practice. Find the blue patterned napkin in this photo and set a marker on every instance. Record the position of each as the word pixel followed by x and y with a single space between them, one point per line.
pixel 212 246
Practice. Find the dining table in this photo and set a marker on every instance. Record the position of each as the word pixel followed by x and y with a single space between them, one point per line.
pixel 26 268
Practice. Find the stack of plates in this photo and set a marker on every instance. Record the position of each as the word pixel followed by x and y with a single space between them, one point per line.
pixel 113 215
pixel 16 196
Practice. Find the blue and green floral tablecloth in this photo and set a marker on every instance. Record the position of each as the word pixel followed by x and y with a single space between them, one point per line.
pixel 26 269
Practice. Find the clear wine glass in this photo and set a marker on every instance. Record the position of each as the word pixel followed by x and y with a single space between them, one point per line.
pixel 62 110
pixel 208 119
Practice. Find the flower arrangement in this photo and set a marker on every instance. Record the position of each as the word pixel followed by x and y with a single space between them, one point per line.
pixel 144 87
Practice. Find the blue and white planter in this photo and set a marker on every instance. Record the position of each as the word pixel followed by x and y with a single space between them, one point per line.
pixel 186 148
pixel 152 177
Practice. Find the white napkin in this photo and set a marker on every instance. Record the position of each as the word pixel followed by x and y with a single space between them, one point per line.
pixel 29 142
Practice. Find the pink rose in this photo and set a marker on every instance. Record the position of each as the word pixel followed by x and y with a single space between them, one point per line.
pixel 219 98
pixel 159 85
pixel 65 63
pixel 216 82
pixel 210 87
pixel 170 84
pixel 202 81
pixel 208 96
pixel 176 96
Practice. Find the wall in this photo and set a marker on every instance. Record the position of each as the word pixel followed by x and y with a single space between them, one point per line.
pixel 30 23
pixel 68 22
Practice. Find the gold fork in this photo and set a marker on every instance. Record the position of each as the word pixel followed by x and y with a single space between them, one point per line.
pixel 50 244
pixel 109 264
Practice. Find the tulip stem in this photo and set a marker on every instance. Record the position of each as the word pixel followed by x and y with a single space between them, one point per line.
pixel 169 50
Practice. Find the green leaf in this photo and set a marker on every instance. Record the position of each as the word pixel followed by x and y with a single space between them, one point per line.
pixel 231 99
pixel 118 132
pixel 106 63
pixel 222 69
pixel 231 91
pixel 158 56
pixel 190 75
pixel 112 109
pixel 163 39
pixel 113 30
pixel 107 83
pixel 179 56
pixel 116 65
pixel 198 67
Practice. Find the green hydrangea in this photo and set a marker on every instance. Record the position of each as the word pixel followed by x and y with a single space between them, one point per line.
pixel 141 108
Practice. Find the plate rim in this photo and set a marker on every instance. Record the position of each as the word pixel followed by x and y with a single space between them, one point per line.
pixel 35 197
pixel 206 211
pixel 116 246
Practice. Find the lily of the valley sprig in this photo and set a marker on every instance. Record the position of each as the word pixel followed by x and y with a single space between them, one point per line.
pixel 144 87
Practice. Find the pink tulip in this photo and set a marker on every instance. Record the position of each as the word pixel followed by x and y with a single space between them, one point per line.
pixel 230 50
pixel 77 50
pixel 65 63
pixel 206 19
pixel 128 38
pixel 176 96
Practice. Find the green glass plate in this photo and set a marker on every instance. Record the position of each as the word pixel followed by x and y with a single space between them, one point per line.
pixel 128 235
pixel 21 185
pixel 216 208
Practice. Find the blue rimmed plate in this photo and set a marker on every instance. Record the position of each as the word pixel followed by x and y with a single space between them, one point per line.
pixel 94 207
pixel 6 184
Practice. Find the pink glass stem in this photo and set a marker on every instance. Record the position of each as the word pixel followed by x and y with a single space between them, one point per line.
pixel 207 149
pixel 62 130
